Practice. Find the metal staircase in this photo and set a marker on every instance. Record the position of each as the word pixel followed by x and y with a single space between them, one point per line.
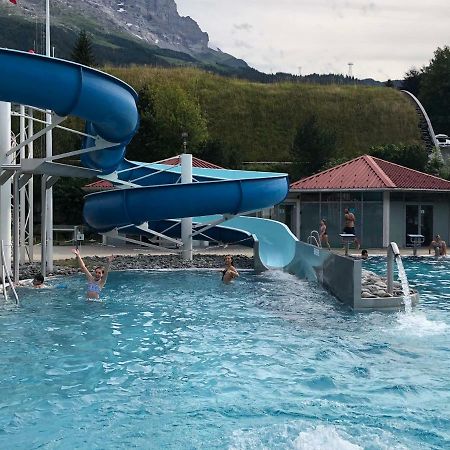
pixel 426 129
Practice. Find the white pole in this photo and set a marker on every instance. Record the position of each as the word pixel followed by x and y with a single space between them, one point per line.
pixel 48 152
pixel 5 188
pixel 22 209
pixel 47 27
pixel 186 222
pixel 30 192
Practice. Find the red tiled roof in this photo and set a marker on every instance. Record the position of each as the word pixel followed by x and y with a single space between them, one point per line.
pixel 100 185
pixel 196 162
pixel 368 172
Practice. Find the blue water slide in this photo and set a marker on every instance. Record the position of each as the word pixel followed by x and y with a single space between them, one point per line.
pixel 106 103
pixel 276 243
pixel 148 192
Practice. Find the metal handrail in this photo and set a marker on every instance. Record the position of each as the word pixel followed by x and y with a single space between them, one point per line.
pixel 312 237
pixel 5 270
pixel 425 116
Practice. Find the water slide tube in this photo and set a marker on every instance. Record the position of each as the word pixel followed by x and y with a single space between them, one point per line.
pixel 147 194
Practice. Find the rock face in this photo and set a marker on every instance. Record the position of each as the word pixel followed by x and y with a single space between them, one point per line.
pixel 154 21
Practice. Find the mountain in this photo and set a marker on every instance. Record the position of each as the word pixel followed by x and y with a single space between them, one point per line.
pixel 123 32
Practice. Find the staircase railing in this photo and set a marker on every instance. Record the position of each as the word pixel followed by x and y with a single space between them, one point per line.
pixel 424 114
pixel 5 272
pixel 313 240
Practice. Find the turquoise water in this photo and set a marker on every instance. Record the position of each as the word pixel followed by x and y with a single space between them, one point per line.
pixel 176 360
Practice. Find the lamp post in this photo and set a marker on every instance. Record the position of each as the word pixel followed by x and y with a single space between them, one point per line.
pixel 184 136
pixel 186 222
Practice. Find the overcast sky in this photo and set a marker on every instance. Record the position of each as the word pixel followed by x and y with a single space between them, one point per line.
pixel 382 38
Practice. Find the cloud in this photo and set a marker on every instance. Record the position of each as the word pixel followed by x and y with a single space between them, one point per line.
pixel 242 44
pixel 242 26
pixel 379 36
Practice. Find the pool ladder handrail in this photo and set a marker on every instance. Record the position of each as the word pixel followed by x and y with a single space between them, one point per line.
pixel 313 240
pixel 6 271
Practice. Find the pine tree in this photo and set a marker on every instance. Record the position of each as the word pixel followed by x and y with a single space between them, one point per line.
pixel 82 51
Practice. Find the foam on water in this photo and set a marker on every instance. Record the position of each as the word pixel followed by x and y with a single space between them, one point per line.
pixel 416 323
pixel 324 438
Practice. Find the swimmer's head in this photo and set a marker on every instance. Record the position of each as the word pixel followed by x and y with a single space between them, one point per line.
pixel 98 273
pixel 38 279
pixel 228 260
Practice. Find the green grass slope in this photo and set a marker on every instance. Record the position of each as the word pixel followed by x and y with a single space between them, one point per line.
pixel 259 121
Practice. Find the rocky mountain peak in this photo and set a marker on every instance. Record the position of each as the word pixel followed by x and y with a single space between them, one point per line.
pixel 154 21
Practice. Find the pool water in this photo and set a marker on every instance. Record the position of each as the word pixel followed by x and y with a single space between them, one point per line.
pixel 177 360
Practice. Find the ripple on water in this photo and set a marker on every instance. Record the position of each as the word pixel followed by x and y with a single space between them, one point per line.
pixel 181 361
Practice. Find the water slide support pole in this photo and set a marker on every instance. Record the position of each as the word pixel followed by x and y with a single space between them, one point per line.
pixel 21 193
pixel 30 192
pixel 186 222
pixel 48 152
pixel 16 227
pixel 43 225
pixel 5 188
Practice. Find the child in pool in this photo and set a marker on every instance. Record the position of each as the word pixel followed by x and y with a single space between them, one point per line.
pixel 97 279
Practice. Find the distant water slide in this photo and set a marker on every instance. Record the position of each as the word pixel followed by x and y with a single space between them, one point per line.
pixel 147 192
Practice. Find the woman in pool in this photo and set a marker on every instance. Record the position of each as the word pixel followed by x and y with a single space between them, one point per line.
pixel 230 272
pixel 97 279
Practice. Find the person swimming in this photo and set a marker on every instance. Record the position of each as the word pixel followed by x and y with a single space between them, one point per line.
pixel 38 281
pixel 97 279
pixel 230 272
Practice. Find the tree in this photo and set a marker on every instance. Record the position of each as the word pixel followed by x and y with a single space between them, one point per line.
pixel 82 51
pixel 312 147
pixel 435 90
pixel 166 112
pixel 411 82
pixel 389 83
pixel 413 156
pixel 436 163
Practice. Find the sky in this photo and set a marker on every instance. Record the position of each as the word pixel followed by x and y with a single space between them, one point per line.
pixel 382 38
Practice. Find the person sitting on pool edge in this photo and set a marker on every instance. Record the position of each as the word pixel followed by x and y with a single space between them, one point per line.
pixel 439 246
pixel 97 279
pixel 38 281
pixel 230 272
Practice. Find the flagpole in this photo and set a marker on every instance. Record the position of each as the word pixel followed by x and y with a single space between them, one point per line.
pixel 48 222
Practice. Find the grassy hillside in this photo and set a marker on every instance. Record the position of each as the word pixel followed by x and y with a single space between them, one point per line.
pixel 259 121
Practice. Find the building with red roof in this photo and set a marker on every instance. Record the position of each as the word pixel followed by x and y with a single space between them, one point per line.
pixel 389 202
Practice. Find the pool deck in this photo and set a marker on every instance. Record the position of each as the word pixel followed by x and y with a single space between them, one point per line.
pixel 65 252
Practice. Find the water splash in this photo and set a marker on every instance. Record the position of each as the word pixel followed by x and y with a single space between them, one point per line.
pixel 405 285
pixel 324 438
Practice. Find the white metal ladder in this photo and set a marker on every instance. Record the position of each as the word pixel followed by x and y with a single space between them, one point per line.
pixel 313 240
pixel 5 272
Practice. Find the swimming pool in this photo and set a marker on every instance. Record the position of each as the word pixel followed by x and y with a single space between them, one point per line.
pixel 177 360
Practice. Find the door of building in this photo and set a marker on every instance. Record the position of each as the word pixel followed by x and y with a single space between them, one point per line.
pixel 419 220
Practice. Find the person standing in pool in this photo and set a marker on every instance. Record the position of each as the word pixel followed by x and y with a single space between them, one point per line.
pixel 230 272
pixel 97 279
